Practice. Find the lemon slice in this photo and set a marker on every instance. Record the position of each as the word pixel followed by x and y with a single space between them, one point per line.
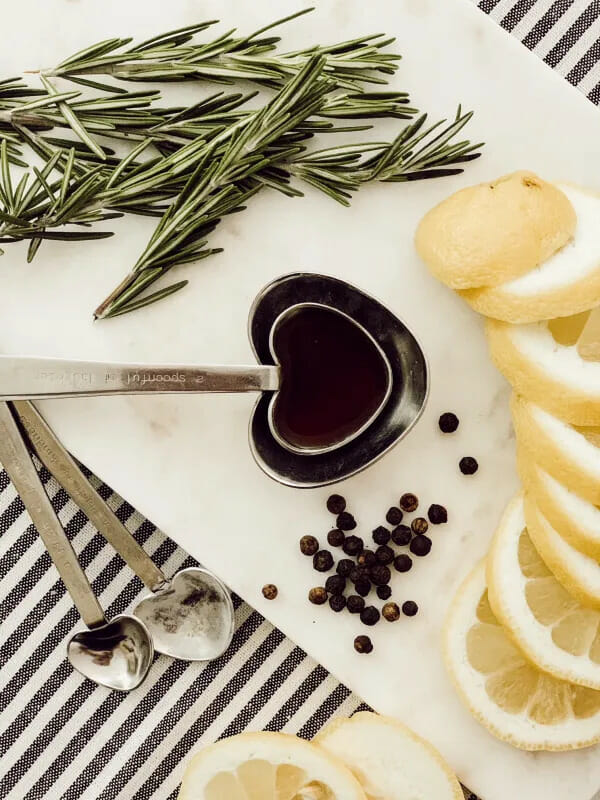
pixel 556 632
pixel 517 702
pixel 578 573
pixel 267 766
pixel 573 517
pixel 389 759
pixel 487 234
pixel 569 454
pixel 542 363
pixel 566 283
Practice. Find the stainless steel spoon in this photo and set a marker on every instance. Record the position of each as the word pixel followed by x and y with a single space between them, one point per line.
pixel 190 617
pixel 116 654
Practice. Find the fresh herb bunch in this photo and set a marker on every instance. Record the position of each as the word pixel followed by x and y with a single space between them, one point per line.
pixel 191 166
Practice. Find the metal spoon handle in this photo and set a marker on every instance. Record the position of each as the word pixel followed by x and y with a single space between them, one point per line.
pixel 17 462
pixel 30 378
pixel 60 463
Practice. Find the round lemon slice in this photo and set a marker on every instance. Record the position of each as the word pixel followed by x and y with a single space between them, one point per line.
pixel 389 759
pixel 515 700
pixel 574 518
pixel 267 766
pixel 556 632
pixel 566 283
pixel 570 454
pixel 578 573
pixel 487 234
pixel 542 363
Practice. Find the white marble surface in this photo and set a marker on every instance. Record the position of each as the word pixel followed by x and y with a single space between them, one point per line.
pixel 185 462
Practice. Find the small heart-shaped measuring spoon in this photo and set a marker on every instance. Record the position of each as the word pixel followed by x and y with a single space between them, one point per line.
pixel 116 654
pixel 190 618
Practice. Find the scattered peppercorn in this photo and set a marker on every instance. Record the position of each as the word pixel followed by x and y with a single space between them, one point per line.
pixel 337 602
pixel 336 503
pixel 362 644
pixel 369 615
pixel 270 591
pixel 323 561
pixel 336 537
pixel 318 595
pixel 309 545
pixel 384 554
pixel 355 604
pixel 448 422
pixel 353 545
pixel 356 573
pixel 409 502
pixel 420 545
pixel 345 521
pixel 335 584
pixel 468 465
pixel 380 575
pixel 362 586
pixel 403 563
pixel 410 608
pixel 394 516
pixel 367 559
pixel 381 535
pixel 344 567
pixel 384 592
pixel 437 514
pixel 391 612
pixel 419 525
pixel 401 535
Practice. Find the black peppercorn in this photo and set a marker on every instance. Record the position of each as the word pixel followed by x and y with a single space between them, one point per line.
pixel 381 535
pixel 420 545
pixel 369 615
pixel 448 422
pixel 409 502
pixel 356 573
pixel 468 465
pixel 437 514
pixel 323 561
pixel 337 602
pixel 345 521
pixel 380 575
pixel 336 503
pixel 344 567
pixel 385 554
pixel 353 545
pixel 391 612
pixel 336 537
pixel 309 545
pixel 394 516
pixel 419 525
pixel 270 591
pixel 355 604
pixel 318 595
pixel 367 559
pixel 410 608
pixel 335 584
pixel 401 535
pixel 362 644
pixel 384 592
pixel 403 563
pixel 362 586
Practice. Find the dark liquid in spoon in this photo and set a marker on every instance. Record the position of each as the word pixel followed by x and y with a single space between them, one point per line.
pixel 334 379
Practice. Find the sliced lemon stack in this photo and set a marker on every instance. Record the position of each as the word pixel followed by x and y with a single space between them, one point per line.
pixel 515 700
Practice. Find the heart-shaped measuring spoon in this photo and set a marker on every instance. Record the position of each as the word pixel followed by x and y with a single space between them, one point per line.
pixel 116 654
pixel 191 617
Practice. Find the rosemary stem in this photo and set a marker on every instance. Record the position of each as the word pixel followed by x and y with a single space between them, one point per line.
pixel 104 306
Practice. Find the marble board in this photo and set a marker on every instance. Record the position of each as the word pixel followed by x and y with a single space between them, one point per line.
pixel 184 462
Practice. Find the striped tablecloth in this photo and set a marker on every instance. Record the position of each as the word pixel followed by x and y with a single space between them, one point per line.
pixel 61 737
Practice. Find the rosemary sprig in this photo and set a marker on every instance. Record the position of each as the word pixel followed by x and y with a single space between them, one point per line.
pixel 191 166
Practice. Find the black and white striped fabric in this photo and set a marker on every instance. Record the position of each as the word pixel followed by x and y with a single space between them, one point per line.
pixel 61 737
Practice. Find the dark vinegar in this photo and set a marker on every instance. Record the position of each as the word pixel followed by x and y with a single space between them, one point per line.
pixel 334 379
